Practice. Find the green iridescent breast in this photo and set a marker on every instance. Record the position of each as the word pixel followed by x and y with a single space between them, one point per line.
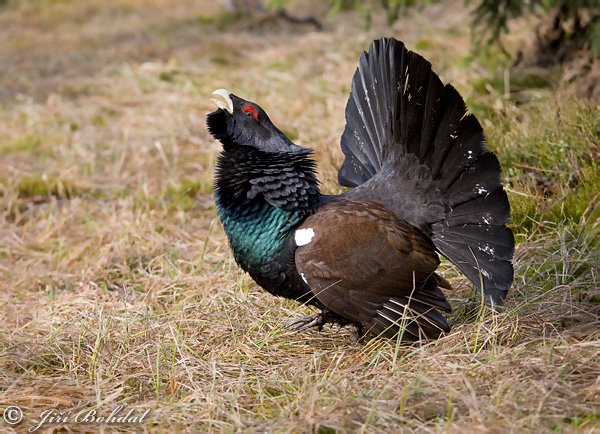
pixel 258 234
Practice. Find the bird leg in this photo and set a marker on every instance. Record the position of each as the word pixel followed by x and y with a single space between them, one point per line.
pixel 306 322
pixel 317 320
pixel 357 333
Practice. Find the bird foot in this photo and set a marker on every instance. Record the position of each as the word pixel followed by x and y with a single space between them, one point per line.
pixel 356 333
pixel 325 317
pixel 306 322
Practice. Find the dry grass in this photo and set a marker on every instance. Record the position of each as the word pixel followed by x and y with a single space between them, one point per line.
pixel 117 284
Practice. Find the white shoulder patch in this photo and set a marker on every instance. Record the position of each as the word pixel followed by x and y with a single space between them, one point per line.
pixel 303 236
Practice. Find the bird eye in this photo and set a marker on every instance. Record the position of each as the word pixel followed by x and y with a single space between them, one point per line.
pixel 251 112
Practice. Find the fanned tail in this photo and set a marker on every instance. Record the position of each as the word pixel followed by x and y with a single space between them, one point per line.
pixel 409 143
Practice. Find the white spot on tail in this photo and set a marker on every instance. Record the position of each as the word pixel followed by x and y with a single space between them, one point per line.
pixel 304 236
pixel 303 278
pixel 480 189
pixel 487 249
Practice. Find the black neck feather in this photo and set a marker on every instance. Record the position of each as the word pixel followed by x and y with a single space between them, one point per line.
pixel 284 180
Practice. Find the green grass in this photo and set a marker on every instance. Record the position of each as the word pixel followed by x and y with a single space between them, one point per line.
pixel 117 285
pixel 555 166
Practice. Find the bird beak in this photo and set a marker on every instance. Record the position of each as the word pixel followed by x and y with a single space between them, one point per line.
pixel 226 103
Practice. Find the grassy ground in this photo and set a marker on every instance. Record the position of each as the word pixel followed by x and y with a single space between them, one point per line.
pixel 116 282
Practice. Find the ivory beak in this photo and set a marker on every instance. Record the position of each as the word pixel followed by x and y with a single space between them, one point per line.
pixel 226 103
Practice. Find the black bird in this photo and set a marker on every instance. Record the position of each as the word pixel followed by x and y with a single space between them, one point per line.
pixel 423 183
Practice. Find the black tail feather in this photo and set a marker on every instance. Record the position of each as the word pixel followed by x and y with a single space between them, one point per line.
pixel 482 177
pixel 399 107
pixel 465 144
pixel 482 252
pixel 412 93
pixel 453 122
pixel 435 104
pixel 488 209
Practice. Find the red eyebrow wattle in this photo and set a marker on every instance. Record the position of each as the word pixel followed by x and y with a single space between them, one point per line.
pixel 252 110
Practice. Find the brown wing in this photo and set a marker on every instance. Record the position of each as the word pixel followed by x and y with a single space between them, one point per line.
pixel 367 265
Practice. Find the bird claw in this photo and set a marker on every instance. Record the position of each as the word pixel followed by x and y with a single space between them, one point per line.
pixel 324 317
pixel 306 322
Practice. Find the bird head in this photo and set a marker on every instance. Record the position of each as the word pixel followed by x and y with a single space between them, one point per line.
pixel 238 122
